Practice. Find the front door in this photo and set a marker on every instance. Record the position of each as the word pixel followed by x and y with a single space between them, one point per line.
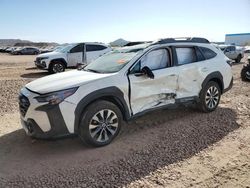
pixel 75 55
pixel 149 93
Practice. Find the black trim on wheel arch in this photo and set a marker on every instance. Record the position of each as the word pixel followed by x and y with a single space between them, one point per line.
pixel 57 123
pixel 229 87
pixel 59 59
pixel 213 77
pixel 112 94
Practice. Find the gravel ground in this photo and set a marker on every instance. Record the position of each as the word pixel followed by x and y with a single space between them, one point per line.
pixel 168 148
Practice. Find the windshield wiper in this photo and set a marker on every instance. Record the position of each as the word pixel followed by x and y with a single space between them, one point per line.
pixel 91 70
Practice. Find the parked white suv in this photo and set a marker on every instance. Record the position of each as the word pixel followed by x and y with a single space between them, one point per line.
pixel 122 85
pixel 70 56
pixel 233 52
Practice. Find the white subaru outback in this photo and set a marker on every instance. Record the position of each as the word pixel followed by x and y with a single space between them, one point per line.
pixel 123 84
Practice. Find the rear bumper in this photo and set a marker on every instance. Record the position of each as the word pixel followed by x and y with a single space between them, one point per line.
pixel 229 87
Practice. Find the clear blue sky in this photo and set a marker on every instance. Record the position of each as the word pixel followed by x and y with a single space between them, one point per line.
pixel 106 20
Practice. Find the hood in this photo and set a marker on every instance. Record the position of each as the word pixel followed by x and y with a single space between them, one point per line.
pixel 65 80
pixel 49 54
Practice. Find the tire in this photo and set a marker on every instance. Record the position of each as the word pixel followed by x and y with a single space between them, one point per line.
pixel 56 67
pixel 96 128
pixel 36 53
pixel 245 73
pixel 209 97
pixel 238 59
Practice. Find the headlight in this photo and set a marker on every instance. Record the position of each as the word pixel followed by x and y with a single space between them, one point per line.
pixel 56 97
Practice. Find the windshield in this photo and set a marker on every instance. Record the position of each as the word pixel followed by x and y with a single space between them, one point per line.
pixel 65 49
pixel 113 61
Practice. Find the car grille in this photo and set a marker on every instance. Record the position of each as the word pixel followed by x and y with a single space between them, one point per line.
pixel 23 104
pixel 38 60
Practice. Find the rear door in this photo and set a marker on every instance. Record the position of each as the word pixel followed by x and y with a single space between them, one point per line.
pixel 93 51
pixel 194 65
pixel 75 55
pixel 146 93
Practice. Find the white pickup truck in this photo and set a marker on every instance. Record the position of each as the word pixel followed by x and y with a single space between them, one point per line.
pixel 70 55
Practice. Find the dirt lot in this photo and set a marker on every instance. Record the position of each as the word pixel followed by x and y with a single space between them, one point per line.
pixel 169 148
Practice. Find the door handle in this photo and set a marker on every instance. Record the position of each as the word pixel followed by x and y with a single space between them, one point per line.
pixel 172 75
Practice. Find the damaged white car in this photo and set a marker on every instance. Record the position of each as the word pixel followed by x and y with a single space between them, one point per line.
pixel 123 84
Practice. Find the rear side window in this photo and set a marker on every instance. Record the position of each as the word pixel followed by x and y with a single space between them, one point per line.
pixel 78 48
pixel 186 55
pixel 208 54
pixel 91 48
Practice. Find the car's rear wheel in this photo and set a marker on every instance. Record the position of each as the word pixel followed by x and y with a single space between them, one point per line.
pixel 56 67
pixel 100 124
pixel 210 97
pixel 245 73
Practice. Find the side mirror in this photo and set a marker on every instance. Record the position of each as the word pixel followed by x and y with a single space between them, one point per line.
pixel 146 71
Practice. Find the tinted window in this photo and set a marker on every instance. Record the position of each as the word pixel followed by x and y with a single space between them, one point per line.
pixel 208 53
pixel 157 59
pixel 232 48
pixel 78 48
pixel 199 55
pixel 90 48
pixel 186 55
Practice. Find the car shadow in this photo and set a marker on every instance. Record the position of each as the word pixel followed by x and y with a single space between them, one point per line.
pixel 31 68
pixel 153 141
pixel 35 75
pixel 241 63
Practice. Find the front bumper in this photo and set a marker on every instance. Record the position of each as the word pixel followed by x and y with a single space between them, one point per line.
pixel 40 120
pixel 41 63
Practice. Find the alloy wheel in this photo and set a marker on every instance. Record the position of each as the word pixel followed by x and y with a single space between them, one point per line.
pixel 103 125
pixel 212 97
pixel 58 67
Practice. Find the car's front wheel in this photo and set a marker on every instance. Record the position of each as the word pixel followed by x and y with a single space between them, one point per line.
pixel 210 97
pixel 56 67
pixel 100 124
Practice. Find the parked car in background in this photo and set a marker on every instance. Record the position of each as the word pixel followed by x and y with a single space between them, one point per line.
pixel 245 72
pixel 26 51
pixel 45 50
pixel 247 50
pixel 70 56
pixel 10 49
pixel 233 52
pixel 123 84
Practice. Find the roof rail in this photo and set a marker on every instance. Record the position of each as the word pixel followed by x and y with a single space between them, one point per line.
pixel 176 40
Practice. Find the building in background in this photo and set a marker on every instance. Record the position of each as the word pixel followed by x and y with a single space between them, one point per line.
pixel 241 39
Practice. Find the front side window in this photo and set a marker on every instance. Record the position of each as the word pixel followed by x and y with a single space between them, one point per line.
pixel 157 59
pixel 76 49
pixel 65 49
pixel 186 55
